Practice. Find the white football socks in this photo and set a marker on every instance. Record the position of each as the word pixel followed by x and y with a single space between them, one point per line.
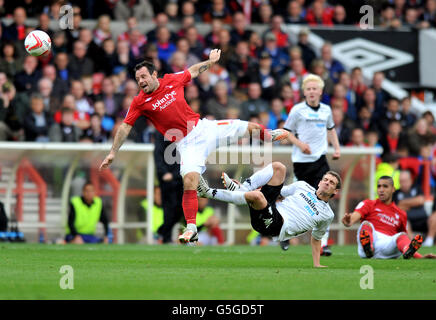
pixel 259 179
pixel 236 197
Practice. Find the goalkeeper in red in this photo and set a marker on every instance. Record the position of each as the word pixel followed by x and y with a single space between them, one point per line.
pixel 383 230
pixel 162 101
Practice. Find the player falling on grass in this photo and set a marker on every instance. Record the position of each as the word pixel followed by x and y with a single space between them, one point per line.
pixel 383 230
pixel 162 102
pixel 283 212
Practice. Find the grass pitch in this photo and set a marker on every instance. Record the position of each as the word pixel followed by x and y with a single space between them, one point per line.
pixel 32 271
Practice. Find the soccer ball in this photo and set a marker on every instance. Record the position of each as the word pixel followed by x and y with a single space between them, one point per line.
pixel 37 43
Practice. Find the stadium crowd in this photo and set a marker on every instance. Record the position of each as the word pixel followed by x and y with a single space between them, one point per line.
pixel 82 90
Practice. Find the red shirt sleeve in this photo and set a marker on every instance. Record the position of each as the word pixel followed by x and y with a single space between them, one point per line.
pixel 132 114
pixel 364 208
pixel 182 77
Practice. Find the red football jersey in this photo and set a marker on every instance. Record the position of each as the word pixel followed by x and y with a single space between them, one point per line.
pixel 166 107
pixel 387 219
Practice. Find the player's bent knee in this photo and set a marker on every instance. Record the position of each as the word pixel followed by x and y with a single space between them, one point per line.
pixel 190 180
pixel 256 199
pixel 279 167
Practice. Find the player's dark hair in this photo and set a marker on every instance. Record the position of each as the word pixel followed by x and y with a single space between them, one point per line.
pixel 388 178
pixel 147 64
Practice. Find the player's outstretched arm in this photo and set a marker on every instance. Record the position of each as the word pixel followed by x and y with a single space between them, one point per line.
pixel 201 67
pixel 316 252
pixel 304 147
pixel 121 135
pixel 351 218
pixel 332 137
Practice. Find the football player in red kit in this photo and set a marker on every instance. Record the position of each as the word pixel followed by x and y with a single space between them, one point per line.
pixel 162 101
pixel 383 230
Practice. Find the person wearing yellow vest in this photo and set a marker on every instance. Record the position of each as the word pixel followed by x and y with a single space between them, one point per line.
pixel 389 167
pixel 85 213
pixel 208 224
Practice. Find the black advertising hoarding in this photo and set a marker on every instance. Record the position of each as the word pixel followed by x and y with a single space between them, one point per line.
pixel 393 52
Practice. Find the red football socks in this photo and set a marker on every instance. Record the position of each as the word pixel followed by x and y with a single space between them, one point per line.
pixel 264 134
pixel 403 242
pixel 190 205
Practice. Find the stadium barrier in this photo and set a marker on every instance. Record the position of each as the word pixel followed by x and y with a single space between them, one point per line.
pixel 133 174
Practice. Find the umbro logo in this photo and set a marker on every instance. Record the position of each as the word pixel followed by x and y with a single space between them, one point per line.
pixel 169 87
pixel 148 99
pixel 267 222
pixel 378 210
pixel 214 192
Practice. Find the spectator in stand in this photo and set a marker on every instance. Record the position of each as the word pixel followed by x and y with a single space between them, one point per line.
pixel 255 44
pixel 357 138
pixel 83 103
pixel 333 66
pixel 205 87
pixel 318 67
pixel 388 18
pixel 340 15
pixel 196 42
pixel 429 14
pixel 102 30
pixel 254 104
pixel 265 75
pixel 394 139
pixel 212 38
pixel 93 50
pixel 38 122
pixel 411 18
pixel 44 24
pixel 66 131
pixel 139 9
pixel 27 79
pixel 95 132
pixel 107 122
pixel 428 115
pixel 131 23
pixel 282 40
pixel 277 113
pixel 187 21
pixel 163 43
pixel 409 118
pixel 183 46
pixel 187 9
pixel 295 78
pixel 177 62
pixel 391 112
pixel 357 83
pixel 218 10
pixel 365 119
pixel 419 136
pixel 294 13
pixel 368 100
pixel 10 63
pixel 59 43
pixel 111 99
pixel 239 31
pixel 62 67
pixel 109 57
pixel 319 15
pixel 17 29
pixel 11 113
pixel 79 64
pixel 410 198
pixel 382 96
pixel 350 95
pixel 287 95
pixel 264 14
pixel 343 130
pixel 240 64
pixel 221 102
pixel 224 45
pixel 308 54
pixel 339 96
pixel 50 101
pixel 137 42
pixel 161 20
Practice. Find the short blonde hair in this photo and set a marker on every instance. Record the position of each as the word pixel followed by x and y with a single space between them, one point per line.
pixel 312 77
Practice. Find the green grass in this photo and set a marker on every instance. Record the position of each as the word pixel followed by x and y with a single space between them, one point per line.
pixel 31 271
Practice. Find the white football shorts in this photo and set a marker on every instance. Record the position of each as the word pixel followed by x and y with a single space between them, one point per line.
pixel 206 136
pixel 385 247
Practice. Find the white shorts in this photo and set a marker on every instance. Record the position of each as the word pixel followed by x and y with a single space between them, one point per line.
pixel 206 136
pixel 385 247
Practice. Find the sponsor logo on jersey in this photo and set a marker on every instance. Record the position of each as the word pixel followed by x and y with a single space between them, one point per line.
pixel 164 102
pixel 311 203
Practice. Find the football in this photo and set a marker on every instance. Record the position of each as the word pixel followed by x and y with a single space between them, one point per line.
pixel 37 43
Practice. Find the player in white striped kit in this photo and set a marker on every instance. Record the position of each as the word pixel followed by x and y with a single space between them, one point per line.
pixel 283 212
